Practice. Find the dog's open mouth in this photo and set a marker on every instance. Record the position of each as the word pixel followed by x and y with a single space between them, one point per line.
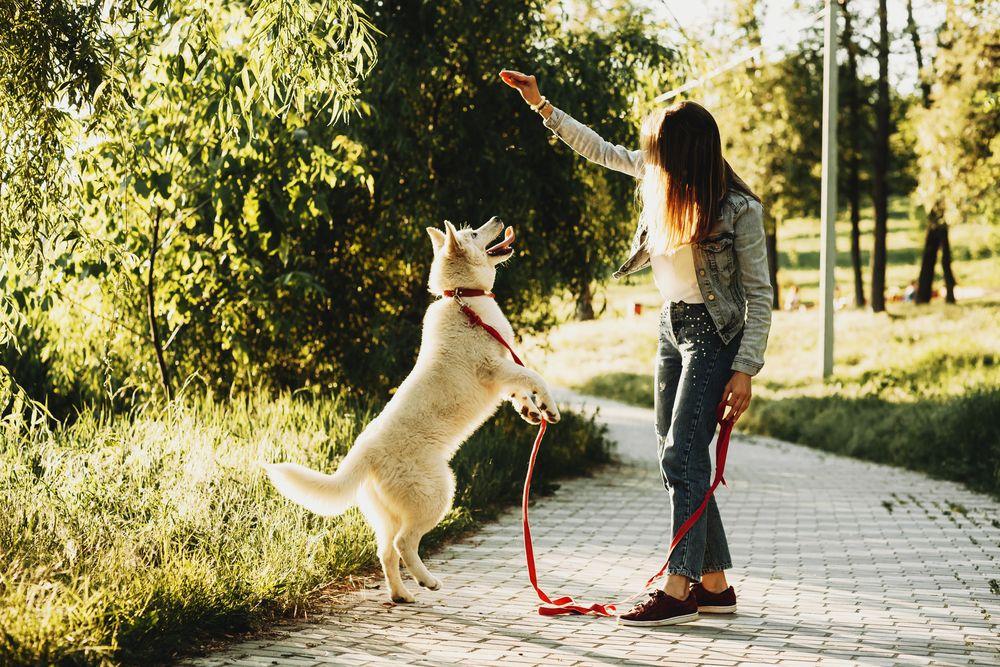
pixel 505 247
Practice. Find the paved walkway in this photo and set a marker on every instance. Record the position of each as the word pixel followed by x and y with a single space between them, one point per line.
pixel 838 562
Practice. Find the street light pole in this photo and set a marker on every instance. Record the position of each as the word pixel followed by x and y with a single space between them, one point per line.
pixel 828 188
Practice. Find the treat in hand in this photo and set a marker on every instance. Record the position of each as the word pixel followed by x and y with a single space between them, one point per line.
pixel 524 83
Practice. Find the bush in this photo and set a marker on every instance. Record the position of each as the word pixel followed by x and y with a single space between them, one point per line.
pixel 123 538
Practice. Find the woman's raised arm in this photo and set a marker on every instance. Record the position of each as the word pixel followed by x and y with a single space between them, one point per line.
pixel 575 134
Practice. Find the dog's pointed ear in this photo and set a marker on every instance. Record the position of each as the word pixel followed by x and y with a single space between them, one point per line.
pixel 450 238
pixel 437 237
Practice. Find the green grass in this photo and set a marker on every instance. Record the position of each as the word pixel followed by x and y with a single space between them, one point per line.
pixel 126 539
pixel 950 438
pixel 917 387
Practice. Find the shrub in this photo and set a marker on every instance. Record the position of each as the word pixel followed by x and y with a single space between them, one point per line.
pixel 122 538
pixel 951 438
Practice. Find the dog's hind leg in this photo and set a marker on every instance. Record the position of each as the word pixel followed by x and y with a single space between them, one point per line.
pixel 407 542
pixel 427 501
pixel 386 526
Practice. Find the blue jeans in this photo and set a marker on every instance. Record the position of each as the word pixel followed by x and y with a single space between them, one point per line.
pixel 693 366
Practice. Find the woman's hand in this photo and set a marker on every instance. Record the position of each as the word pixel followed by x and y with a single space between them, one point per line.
pixel 736 395
pixel 524 83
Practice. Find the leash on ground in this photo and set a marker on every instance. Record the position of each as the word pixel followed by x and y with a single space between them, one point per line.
pixel 566 604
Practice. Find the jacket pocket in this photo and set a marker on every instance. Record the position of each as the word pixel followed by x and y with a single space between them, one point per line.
pixel 720 257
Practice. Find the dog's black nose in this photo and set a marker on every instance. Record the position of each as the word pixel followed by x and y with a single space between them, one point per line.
pixel 496 218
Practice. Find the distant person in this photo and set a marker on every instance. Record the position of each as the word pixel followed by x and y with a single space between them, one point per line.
pixel 792 300
pixel 840 301
pixel 702 231
pixel 910 294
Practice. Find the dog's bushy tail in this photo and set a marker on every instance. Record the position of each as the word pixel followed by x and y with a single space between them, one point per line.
pixel 318 492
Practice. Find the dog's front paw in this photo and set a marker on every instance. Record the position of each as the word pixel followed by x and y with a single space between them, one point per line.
pixel 430 583
pixel 530 416
pixel 526 408
pixel 551 412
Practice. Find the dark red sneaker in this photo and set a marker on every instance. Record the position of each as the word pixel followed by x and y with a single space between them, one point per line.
pixel 661 609
pixel 714 603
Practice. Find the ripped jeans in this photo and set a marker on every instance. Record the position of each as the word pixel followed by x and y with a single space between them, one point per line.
pixel 693 366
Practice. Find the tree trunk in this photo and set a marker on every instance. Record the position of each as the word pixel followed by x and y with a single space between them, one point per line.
pixel 925 282
pixel 949 277
pixel 772 266
pixel 585 303
pixel 854 152
pixel 880 191
pixel 859 280
pixel 937 232
pixel 151 308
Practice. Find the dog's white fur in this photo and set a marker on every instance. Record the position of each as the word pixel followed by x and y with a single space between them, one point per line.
pixel 397 472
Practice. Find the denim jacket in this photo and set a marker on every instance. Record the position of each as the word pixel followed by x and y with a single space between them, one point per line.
pixel 730 262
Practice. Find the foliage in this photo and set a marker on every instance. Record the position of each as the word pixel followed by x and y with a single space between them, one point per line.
pixel 246 227
pixel 125 539
pixel 67 68
pixel 959 135
pixel 446 140
pixel 76 75
pixel 603 66
pixel 293 250
pixel 770 112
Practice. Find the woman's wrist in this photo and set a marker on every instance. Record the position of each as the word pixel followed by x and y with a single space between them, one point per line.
pixel 542 107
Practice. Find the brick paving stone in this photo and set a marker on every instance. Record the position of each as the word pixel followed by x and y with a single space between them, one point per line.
pixel 838 562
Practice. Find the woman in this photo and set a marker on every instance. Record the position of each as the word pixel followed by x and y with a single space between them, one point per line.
pixel 701 229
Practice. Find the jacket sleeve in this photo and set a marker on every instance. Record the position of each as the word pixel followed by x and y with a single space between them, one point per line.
pixel 590 145
pixel 751 258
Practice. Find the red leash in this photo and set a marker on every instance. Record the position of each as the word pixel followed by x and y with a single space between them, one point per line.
pixel 566 604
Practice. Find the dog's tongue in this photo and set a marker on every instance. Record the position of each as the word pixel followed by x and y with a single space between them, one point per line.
pixel 504 246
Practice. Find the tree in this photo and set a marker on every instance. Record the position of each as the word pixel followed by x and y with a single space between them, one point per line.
pixel 769 113
pixel 880 162
pixel 291 251
pixel 853 122
pixel 66 68
pixel 615 50
pixel 68 77
pixel 957 131
pixel 936 236
pixel 487 153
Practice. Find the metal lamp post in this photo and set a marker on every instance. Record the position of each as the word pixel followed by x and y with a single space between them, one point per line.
pixel 828 189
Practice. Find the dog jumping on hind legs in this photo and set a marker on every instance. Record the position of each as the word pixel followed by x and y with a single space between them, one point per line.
pixel 397 471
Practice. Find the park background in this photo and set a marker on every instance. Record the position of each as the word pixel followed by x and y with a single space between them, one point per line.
pixel 212 224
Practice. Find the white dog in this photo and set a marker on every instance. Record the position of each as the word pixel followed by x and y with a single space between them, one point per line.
pixel 397 472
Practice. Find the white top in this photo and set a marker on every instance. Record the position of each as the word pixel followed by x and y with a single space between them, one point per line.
pixel 675 277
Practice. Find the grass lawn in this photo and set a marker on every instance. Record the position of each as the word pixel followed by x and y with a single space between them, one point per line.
pixel 124 540
pixel 918 386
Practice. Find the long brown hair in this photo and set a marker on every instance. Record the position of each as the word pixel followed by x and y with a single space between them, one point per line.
pixel 686 176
